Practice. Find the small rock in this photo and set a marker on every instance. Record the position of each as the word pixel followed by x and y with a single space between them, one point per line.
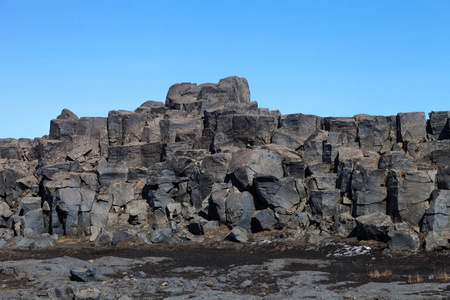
pixel 238 234
pixel 83 274
pixel 247 283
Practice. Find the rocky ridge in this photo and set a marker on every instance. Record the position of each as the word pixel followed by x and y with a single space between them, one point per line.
pixel 210 158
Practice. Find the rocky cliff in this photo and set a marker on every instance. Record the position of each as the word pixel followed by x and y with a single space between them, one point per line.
pixel 210 157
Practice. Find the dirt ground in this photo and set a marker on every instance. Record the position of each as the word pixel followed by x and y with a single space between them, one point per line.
pixel 379 265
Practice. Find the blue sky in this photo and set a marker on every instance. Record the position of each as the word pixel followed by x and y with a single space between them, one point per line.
pixel 328 58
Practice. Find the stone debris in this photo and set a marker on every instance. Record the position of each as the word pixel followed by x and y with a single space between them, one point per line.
pixel 209 157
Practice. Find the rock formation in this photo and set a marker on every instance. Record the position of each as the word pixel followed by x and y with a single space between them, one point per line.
pixel 210 157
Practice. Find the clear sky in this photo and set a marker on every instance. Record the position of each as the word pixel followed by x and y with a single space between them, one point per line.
pixel 328 58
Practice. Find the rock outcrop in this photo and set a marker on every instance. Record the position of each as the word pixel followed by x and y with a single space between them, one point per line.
pixel 210 157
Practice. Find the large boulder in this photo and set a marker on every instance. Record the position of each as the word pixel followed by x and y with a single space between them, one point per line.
pixel 247 164
pixel 439 124
pixel 375 226
pixel 437 216
pixel 283 193
pixel 411 126
pixel 408 194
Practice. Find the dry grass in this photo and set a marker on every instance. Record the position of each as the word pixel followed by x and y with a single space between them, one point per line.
pixel 415 278
pixel 444 276
pixel 377 274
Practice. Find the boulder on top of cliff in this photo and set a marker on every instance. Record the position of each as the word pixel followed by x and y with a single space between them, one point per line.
pixel 67 115
pixel 342 125
pixel 301 125
pixel 183 96
pixel 373 132
pixel 411 126
pixel 439 124
pixel 243 131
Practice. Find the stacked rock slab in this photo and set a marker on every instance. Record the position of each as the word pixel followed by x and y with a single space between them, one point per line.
pixel 210 157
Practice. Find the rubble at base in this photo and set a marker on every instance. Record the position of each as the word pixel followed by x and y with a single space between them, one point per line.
pixel 210 157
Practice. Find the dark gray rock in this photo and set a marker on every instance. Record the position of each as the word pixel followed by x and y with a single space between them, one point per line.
pixel 375 226
pixel 239 209
pixel 282 193
pixel 435 241
pixel 212 170
pixel 411 126
pixel 103 238
pixel 120 235
pixel 246 164
pixel 437 216
pixel 83 274
pixel 110 173
pixel 238 234
pixel 373 132
pixel 439 124
pixel 402 237
pixel 443 178
pixel 122 193
pixel 408 193
pixel 396 160
pixel 44 242
pixel 301 125
pixel 342 125
pixel 264 220
pixel 323 202
pixel 313 147
pixel 161 235
pixel 34 220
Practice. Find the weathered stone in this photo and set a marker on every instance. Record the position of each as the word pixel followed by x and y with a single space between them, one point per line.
pixel 279 193
pixel 402 237
pixel 281 137
pixel 396 160
pixel 301 125
pixel 373 132
pixel 83 274
pixel 264 220
pixel 161 235
pixel 314 147
pixel 245 164
pixel 34 220
pixel 99 212
pixel 28 204
pixel 342 125
pixel 408 193
pixel 44 242
pixel 243 131
pixel 120 235
pixel 375 226
pixel 437 216
pixel 323 202
pixel 110 173
pixel 122 193
pixel 411 126
pixel 103 239
pixel 321 181
pixel 443 178
pixel 344 223
pixel 439 124
pixel 435 241
pixel 238 234
pixel 239 209
pixel 212 170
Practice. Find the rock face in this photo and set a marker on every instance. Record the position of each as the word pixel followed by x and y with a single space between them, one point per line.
pixel 210 157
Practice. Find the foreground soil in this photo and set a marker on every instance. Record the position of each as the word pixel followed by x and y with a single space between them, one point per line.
pixel 392 266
